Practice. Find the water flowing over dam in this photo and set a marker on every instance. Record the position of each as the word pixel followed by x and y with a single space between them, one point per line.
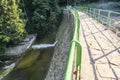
pixel 39 46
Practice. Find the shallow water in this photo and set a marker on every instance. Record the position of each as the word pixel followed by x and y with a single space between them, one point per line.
pixel 34 64
pixel 32 67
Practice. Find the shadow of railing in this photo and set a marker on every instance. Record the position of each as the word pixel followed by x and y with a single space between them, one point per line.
pixel 101 48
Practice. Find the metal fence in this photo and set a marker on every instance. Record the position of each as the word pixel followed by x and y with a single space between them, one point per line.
pixel 74 60
pixel 110 19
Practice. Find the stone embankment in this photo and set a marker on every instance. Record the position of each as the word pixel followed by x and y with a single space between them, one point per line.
pixel 21 47
pixel 62 48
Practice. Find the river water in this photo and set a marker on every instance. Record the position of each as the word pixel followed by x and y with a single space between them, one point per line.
pixel 34 64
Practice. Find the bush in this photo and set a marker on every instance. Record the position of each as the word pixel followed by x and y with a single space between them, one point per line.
pixel 44 16
pixel 11 24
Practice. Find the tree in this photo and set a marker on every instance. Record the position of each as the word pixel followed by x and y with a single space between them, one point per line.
pixel 12 23
pixel 44 16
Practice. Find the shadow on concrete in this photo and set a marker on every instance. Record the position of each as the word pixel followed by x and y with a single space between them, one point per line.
pixel 101 48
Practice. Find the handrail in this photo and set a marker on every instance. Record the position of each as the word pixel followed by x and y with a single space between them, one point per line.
pixel 99 9
pixel 75 45
pixel 99 13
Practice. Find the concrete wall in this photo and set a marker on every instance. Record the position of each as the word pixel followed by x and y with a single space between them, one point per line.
pixel 62 48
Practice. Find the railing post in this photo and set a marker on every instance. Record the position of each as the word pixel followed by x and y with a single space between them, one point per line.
pixel 87 11
pixel 84 9
pixel 90 12
pixel 108 20
pixel 99 15
pixel 94 13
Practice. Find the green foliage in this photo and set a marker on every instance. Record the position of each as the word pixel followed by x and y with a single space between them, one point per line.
pixel 45 16
pixel 11 23
pixel 108 5
pixel 82 2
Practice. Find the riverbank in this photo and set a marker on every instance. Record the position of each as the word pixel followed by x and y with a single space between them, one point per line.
pixel 10 57
pixel 62 48
pixel 22 46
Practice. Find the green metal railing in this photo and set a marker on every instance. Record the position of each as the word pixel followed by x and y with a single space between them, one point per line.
pixel 106 17
pixel 98 14
pixel 75 49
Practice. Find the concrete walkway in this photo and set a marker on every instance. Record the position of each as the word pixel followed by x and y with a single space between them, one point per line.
pixel 101 51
